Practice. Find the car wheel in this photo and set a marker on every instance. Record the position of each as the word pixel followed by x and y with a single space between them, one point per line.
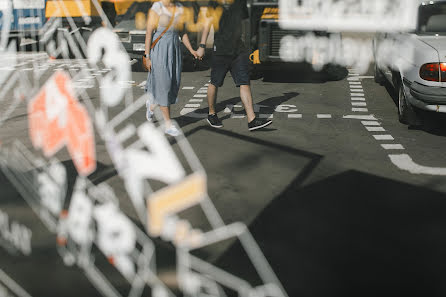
pixel 379 77
pixel 406 113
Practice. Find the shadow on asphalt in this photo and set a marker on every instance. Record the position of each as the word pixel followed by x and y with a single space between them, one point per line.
pixel 353 234
pixel 291 73
pixel 185 120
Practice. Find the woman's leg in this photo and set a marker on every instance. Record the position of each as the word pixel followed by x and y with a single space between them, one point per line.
pixel 165 110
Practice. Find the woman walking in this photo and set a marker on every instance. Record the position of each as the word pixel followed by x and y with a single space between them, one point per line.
pixel 164 59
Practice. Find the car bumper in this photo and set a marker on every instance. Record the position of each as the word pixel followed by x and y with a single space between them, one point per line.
pixel 426 98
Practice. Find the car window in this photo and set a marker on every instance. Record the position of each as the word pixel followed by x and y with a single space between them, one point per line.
pixel 432 19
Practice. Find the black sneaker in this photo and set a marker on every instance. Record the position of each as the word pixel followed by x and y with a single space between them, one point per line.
pixel 214 121
pixel 258 124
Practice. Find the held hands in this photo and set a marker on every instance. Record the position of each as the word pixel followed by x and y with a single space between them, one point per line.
pixel 200 53
pixel 149 64
pixel 194 53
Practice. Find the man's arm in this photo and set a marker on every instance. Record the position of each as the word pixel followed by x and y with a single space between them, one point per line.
pixel 204 38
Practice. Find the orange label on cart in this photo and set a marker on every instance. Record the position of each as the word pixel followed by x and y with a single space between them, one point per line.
pixel 57 119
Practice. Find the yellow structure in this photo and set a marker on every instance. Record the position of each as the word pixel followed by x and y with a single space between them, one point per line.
pixel 79 8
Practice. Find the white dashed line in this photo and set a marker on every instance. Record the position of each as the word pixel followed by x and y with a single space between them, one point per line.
pixel 358 99
pixel 200 95
pixel 392 146
pixel 202 91
pixel 196 100
pixel 266 116
pixel 324 116
pixel 188 88
pixel 357 94
pixel 359 104
pixel 375 129
pixel 295 116
pixel 192 105
pixel 358 109
pixel 383 137
pixel 370 123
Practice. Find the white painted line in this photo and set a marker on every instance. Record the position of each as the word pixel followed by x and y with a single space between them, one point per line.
pixel 359 104
pixel 266 116
pixel 357 90
pixel 295 116
pixel 12 286
pixel 196 100
pixel 229 108
pixel 200 96
pixel 375 129
pixel 354 82
pixel 405 162
pixel 383 137
pixel 202 91
pixel 324 116
pixel 355 87
pixel 206 85
pixel 353 79
pixel 192 105
pixel 357 94
pixel 392 146
pixel 361 117
pixel 359 109
pixel 188 88
pixel 358 99
pixel 185 111
pixel 237 116
pixel 353 74
pixel 371 123
pixel 365 77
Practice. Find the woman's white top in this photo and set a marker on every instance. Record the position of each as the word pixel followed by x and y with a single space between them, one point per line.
pixel 165 14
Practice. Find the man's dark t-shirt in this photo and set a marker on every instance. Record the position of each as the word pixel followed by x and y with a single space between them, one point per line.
pixel 227 40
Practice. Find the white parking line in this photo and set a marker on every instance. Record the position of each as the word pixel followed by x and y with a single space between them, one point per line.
pixel 383 137
pixel 405 162
pixel 392 146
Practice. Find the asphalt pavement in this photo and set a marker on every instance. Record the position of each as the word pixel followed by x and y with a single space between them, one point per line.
pixel 342 199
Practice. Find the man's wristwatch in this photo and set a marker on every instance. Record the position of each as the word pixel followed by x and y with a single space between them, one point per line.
pixel 202 45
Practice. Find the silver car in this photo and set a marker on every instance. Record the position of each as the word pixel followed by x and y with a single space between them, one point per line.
pixel 415 63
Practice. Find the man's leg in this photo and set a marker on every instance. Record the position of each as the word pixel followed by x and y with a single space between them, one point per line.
pixel 212 98
pixel 246 96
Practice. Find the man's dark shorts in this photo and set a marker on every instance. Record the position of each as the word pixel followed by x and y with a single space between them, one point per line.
pixel 238 65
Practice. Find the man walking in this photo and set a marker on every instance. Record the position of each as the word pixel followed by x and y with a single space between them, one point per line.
pixel 231 55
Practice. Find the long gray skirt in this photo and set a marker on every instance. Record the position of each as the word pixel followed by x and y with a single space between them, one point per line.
pixel 163 82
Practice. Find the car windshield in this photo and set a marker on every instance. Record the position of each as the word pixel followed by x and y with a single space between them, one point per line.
pixel 432 19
